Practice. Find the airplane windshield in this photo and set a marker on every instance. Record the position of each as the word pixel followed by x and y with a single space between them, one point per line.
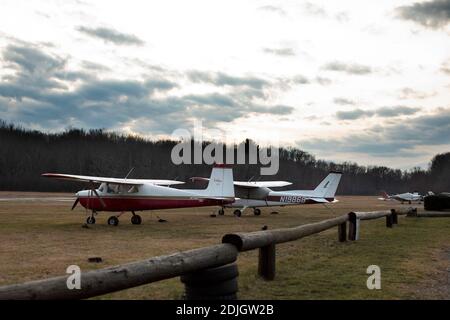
pixel 118 189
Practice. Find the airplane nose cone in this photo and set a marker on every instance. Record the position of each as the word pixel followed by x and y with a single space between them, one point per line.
pixel 82 193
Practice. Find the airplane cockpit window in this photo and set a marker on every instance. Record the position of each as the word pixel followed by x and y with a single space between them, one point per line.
pixel 111 188
pixel 133 189
pixel 102 188
pixel 115 189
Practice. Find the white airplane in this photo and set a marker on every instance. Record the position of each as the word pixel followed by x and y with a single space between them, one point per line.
pixel 402 197
pixel 122 195
pixel 258 194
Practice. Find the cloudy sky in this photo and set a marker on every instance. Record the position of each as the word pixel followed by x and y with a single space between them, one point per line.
pixel 348 80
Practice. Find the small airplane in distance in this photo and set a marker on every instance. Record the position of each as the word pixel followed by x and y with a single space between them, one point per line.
pixel 402 197
pixel 131 195
pixel 257 194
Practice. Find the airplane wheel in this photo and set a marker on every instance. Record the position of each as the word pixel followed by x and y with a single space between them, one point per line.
pixel 257 212
pixel 113 221
pixel 237 213
pixel 136 219
pixel 221 212
pixel 90 220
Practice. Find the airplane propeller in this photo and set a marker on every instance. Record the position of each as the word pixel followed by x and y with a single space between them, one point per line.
pixel 75 203
pixel 99 198
pixel 97 195
pixel 91 190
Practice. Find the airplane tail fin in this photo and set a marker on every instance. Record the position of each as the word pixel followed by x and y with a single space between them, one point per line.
pixel 221 184
pixel 327 188
pixel 384 195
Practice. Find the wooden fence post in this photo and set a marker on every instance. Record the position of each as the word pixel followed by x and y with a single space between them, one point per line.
pixel 266 262
pixel 394 216
pixel 389 220
pixel 342 232
pixel 353 230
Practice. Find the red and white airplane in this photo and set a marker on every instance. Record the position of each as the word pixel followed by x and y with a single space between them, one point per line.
pixel 403 197
pixel 131 195
pixel 257 194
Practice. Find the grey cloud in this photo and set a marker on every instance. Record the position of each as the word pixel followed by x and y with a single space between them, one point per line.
pixel 94 66
pixel 34 69
pixel 323 81
pixel 199 76
pixel 287 83
pixel 213 99
pixel 353 114
pixel 401 138
pixel 432 14
pixel 111 35
pixel 35 95
pixel 299 79
pixel 350 68
pixel 409 93
pixel 275 110
pixel 342 17
pixel 283 52
pixel 73 75
pixel 31 59
pixel 343 101
pixel 274 9
pixel 445 68
pixel 222 79
pixel 384 112
pixel 316 10
pixel 396 111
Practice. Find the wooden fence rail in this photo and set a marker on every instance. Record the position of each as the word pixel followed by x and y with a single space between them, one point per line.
pixel 98 282
pixel 207 259
pixel 258 239
pixel 430 214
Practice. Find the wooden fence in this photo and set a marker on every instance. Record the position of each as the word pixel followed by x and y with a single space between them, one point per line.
pixel 203 262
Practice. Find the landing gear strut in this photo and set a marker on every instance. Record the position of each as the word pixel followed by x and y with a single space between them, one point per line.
pixel 91 218
pixel 221 212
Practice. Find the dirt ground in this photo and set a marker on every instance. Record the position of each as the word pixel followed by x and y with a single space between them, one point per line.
pixel 40 237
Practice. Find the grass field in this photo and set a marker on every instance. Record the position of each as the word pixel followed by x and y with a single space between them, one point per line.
pixel 39 239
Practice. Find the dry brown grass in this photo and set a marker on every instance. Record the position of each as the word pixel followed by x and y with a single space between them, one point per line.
pixel 39 239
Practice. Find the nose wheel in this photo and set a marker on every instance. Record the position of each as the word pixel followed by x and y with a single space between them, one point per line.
pixel 90 220
pixel 257 212
pixel 237 213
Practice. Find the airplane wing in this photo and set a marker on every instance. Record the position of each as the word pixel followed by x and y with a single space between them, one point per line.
pixel 262 184
pixel 131 182
pixel 252 184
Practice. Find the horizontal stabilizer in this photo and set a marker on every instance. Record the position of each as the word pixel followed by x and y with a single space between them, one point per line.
pixel 252 184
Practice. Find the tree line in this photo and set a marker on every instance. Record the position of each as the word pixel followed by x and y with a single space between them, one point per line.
pixel 26 154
